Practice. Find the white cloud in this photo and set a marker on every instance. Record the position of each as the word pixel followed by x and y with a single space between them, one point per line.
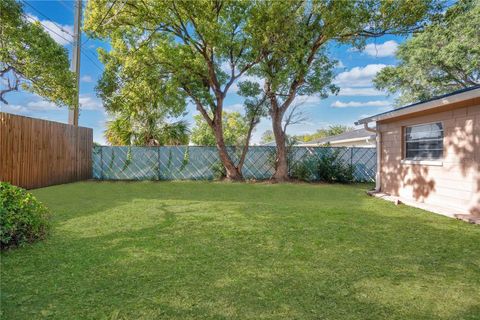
pixel 373 103
pixel 360 92
pixel 340 64
pixel 86 78
pixel 41 105
pixel 87 102
pixel 13 108
pixel 307 100
pixel 385 49
pixel 358 76
pixel 62 35
pixel 237 107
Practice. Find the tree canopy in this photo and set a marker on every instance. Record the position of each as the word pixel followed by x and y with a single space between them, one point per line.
pixel 235 130
pixel 199 48
pixel 140 100
pixel 30 59
pixel 332 130
pixel 267 136
pixel 294 36
pixel 442 58
pixel 148 128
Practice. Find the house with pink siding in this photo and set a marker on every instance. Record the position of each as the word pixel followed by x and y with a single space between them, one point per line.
pixel 428 153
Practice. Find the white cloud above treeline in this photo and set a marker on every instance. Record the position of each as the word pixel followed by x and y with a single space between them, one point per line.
pixel 373 103
pixel 360 92
pixel 13 108
pixel 87 102
pixel 358 76
pixel 386 49
pixel 86 78
pixel 379 50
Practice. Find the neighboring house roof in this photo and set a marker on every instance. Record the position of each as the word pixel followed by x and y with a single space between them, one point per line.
pixel 269 144
pixel 348 136
pixel 435 102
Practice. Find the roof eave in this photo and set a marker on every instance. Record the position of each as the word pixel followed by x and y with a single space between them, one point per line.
pixel 364 138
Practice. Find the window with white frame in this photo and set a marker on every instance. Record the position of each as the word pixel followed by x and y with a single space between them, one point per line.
pixel 424 141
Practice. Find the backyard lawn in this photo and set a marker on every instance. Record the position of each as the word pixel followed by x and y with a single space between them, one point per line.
pixel 205 250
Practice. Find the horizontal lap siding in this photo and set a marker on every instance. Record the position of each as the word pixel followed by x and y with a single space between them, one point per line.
pixel 36 153
pixel 455 184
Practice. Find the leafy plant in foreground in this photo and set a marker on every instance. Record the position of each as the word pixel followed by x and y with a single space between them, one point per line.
pixel 23 219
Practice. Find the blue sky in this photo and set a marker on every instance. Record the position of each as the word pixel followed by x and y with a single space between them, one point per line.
pixel 356 99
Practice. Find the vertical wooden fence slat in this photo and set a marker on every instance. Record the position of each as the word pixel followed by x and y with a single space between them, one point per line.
pixel 36 153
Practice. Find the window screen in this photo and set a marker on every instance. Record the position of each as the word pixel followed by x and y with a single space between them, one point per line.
pixel 424 142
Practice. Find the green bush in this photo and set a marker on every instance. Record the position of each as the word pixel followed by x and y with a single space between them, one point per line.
pixel 23 219
pixel 327 168
pixel 332 169
pixel 218 170
pixel 305 170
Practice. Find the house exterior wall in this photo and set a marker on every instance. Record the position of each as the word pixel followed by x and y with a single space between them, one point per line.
pixel 453 182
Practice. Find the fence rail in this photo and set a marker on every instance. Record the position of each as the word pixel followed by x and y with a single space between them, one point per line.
pixel 199 163
pixel 36 153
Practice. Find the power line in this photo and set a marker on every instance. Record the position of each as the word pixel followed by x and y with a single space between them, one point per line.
pixel 85 53
pixel 43 25
pixel 65 5
pixel 47 17
pixel 93 61
pixel 61 36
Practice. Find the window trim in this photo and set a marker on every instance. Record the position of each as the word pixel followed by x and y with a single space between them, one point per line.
pixel 438 163
pixel 432 162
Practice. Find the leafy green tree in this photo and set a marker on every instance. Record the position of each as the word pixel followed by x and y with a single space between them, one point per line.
pixel 145 129
pixel 267 137
pixel 293 37
pixel 30 59
pixel 203 47
pixel 119 131
pixel 140 99
pixel 235 130
pixel 443 58
pixel 337 129
pixel 332 130
pixel 199 48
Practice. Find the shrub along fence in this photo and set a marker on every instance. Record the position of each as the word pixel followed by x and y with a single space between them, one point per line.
pixel 202 163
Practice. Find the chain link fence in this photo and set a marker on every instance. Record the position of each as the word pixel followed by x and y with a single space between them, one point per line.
pixel 199 162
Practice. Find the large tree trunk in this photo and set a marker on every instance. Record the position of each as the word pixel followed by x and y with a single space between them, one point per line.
pixel 232 172
pixel 281 165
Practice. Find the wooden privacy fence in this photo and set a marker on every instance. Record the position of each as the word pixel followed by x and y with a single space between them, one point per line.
pixel 36 153
pixel 201 163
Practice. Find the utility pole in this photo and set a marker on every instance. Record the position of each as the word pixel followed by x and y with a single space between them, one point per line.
pixel 75 66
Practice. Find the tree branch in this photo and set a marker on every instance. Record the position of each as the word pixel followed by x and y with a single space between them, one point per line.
pixel 10 87
pixel 254 120
pixel 294 117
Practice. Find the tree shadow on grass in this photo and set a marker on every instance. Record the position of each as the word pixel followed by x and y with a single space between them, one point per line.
pixel 297 254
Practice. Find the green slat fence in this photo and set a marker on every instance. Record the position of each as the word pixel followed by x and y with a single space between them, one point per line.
pixel 198 162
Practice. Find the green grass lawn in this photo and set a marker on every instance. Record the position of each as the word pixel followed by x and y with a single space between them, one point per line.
pixel 198 250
